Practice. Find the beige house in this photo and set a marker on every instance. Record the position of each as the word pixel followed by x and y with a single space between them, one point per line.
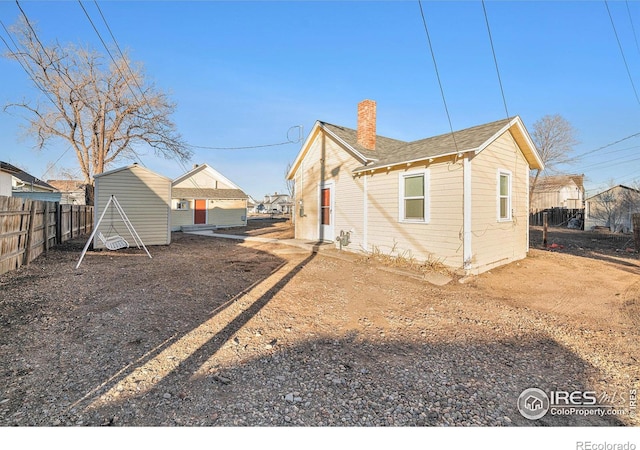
pixel 145 198
pixel 205 198
pixel 558 191
pixel 461 199
pixel 613 208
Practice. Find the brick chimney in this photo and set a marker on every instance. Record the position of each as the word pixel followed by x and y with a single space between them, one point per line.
pixel 367 124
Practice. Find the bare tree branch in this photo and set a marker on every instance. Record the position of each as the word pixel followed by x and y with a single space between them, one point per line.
pixel 93 105
pixel 554 137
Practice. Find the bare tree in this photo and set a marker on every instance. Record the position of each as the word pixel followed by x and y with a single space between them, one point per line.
pixel 554 137
pixel 104 110
pixel 291 190
pixel 291 184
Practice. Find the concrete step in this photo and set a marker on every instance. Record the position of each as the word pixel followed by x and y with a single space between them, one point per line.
pixel 202 227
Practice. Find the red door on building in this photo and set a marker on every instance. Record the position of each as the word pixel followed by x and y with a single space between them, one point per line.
pixel 200 212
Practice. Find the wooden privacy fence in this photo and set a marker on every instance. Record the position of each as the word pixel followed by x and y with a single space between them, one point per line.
pixel 29 228
pixel 557 216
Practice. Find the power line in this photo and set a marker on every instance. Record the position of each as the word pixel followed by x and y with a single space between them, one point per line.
pixel 633 28
pixel 116 65
pixel 495 59
pixel 124 59
pixel 605 146
pixel 606 3
pixel 289 141
pixel 435 65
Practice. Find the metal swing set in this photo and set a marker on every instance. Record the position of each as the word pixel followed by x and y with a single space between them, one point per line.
pixel 115 242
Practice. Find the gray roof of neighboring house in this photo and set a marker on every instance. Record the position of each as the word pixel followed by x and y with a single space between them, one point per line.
pixel 25 177
pixel 208 193
pixel 9 168
pixel 620 186
pixel 392 151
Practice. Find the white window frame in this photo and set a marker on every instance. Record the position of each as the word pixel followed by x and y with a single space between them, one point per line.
pixel 183 205
pixel 402 198
pixel 509 196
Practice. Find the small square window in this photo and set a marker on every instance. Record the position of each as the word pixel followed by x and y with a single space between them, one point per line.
pixel 182 204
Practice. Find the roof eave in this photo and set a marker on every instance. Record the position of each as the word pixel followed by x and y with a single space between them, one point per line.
pixel 311 137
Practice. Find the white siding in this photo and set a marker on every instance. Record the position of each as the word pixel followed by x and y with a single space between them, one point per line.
pixel 222 213
pixel 438 240
pixel 203 179
pixel 326 160
pixel 227 213
pixel 497 242
pixel 5 184
pixel 145 198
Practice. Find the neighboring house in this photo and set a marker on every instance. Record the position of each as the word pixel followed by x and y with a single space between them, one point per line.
pixel 204 197
pixel 145 198
pixel 558 191
pixel 6 178
pixel 25 185
pixel 277 203
pixel 73 192
pixel 613 209
pixel 252 205
pixel 463 202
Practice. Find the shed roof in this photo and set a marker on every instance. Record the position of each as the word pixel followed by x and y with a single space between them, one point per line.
pixel 134 166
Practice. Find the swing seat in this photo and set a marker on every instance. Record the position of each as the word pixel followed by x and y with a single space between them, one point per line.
pixel 113 242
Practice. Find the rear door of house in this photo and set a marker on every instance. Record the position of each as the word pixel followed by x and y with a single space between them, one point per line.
pixel 326 212
pixel 200 212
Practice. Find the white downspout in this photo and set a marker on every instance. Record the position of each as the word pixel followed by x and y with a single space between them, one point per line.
pixel 467 254
pixel 365 219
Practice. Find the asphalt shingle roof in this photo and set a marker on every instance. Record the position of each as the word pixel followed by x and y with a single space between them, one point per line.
pixel 226 194
pixel 392 151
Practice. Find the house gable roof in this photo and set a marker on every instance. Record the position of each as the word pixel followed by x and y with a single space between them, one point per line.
pixel 553 183
pixel 67 185
pixel 208 193
pixel 9 168
pixel 199 168
pixel 25 177
pixel 620 186
pixel 392 152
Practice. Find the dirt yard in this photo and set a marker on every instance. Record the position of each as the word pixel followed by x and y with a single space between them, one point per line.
pixel 217 332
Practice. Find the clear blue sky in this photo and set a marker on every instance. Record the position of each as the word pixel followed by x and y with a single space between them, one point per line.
pixel 243 73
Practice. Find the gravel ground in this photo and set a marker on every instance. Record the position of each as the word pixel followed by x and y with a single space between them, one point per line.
pixel 211 332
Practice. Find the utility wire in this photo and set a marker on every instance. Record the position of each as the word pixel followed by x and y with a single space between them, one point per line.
pixel 495 59
pixel 126 62
pixel 106 47
pixel 606 146
pixel 435 65
pixel 31 75
pixel 289 141
pixel 633 28
pixel 606 3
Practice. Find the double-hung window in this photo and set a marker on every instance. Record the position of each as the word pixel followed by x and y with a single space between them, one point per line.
pixel 504 195
pixel 414 196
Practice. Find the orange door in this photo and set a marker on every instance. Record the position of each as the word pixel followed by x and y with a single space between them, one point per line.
pixel 200 212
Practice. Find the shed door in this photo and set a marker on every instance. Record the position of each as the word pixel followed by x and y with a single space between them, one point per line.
pixel 200 212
